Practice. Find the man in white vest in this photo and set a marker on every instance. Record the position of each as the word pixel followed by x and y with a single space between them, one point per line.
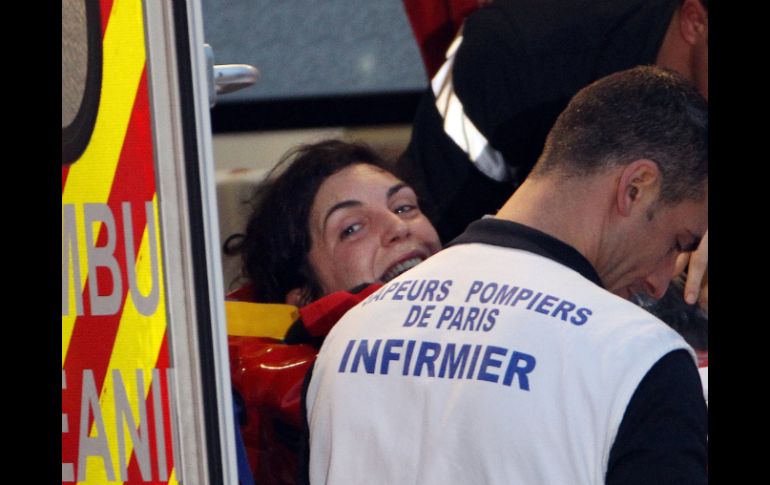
pixel 513 355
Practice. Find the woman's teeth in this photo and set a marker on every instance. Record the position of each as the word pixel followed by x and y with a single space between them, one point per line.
pixel 400 268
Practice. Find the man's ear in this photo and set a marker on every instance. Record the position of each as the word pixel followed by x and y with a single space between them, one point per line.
pixel 638 185
pixel 693 21
pixel 295 297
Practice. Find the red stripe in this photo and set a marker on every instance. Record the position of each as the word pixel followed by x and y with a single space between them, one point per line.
pixel 93 337
pixel 105 8
pixel 64 172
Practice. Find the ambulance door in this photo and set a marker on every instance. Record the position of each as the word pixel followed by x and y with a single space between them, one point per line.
pixel 145 377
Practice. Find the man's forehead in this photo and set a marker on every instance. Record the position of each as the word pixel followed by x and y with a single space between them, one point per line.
pixel 692 215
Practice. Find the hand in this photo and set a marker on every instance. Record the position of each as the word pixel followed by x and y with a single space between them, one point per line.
pixel 696 287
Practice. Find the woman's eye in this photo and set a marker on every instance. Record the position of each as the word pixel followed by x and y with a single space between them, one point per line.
pixel 350 230
pixel 403 209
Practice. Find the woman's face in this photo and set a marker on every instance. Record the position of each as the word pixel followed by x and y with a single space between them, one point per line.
pixel 366 226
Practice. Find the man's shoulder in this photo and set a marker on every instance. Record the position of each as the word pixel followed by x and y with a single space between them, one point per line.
pixel 631 331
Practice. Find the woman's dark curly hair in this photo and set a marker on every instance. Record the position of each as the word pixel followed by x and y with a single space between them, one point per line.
pixel 277 241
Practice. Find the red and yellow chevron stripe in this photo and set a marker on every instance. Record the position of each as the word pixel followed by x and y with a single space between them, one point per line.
pixel 120 355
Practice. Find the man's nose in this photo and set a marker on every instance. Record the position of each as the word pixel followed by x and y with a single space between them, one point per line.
pixel 656 283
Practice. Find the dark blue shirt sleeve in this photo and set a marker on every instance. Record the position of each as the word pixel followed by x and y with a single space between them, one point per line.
pixel 662 438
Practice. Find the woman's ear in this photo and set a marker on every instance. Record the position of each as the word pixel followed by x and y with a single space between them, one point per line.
pixel 295 297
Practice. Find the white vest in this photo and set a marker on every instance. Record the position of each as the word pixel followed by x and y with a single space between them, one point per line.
pixel 449 375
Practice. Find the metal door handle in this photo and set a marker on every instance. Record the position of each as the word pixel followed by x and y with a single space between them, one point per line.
pixel 227 78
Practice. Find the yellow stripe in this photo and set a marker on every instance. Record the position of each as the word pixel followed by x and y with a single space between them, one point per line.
pixel 137 345
pixel 90 178
pixel 259 319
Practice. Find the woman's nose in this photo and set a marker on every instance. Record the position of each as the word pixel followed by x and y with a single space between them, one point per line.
pixel 394 228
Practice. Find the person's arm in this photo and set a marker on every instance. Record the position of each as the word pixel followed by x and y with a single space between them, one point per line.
pixel 662 438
